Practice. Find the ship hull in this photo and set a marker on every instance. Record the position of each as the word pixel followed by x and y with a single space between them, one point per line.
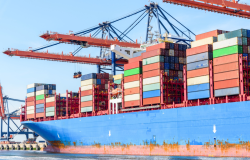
pixel 221 130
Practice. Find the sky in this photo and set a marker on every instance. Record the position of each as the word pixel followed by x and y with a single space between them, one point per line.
pixel 21 23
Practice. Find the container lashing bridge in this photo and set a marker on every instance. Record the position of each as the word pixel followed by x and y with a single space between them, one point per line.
pixel 7 117
pixel 105 34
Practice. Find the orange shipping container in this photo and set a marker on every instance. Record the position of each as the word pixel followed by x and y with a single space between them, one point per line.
pixel 214 33
pixel 226 75
pixel 86 104
pixel 225 59
pixel 38 115
pixel 198 72
pixel 132 91
pixel 50 104
pixel 40 101
pixel 29 116
pixel 132 65
pixel 153 66
pixel 153 100
pixel 226 67
pixel 157 52
pixel 136 59
pixel 86 93
pixel 200 49
pixel 157 46
pixel 226 84
pixel 132 78
pixel 31 99
pixel 152 73
pixel 132 103
pixel 32 103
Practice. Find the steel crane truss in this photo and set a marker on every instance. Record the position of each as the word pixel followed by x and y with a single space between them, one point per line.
pixel 220 6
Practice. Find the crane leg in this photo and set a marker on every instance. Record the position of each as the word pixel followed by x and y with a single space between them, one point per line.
pixel 113 63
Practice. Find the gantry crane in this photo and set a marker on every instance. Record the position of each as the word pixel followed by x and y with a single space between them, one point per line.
pixel 229 7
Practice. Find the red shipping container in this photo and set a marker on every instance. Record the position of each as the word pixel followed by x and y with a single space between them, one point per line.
pixel 30 116
pixel 132 91
pixel 132 78
pixel 102 81
pixel 225 59
pixel 106 81
pixel 171 73
pixel 198 73
pixel 176 53
pixel 245 49
pixel 158 52
pixel 38 115
pixel 185 53
pixel 105 75
pixel 152 73
pixel 177 66
pixel 200 49
pixel 86 93
pixel 176 46
pixel 40 101
pixel 132 103
pixel 181 53
pixel 31 99
pixel 86 104
pixel 154 100
pixel 31 103
pixel 163 45
pixel 248 41
pixel 175 73
pixel 214 33
pixel 136 59
pixel 226 67
pixel 227 84
pixel 50 104
pixel 98 75
pixel 133 65
pixel 226 75
pixel 149 67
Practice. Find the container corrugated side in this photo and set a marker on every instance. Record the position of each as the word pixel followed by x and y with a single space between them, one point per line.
pixel 30 103
pixel 198 80
pixel 86 109
pixel 39 97
pixel 151 94
pixel 50 104
pixel 150 87
pixel 133 84
pixel 200 57
pixel 50 114
pixel 38 115
pixel 119 76
pixel 132 91
pixel 39 110
pixel 45 92
pixel 30 90
pixel 84 88
pixel 131 97
pixel 227 43
pixel 50 99
pixel 33 85
pixel 198 72
pixel 151 80
pixel 30 108
pixel 227 91
pixel 226 75
pixel 153 66
pixel 50 109
pixel 157 52
pixel 88 82
pixel 30 116
pixel 154 100
pixel 86 104
pixel 227 84
pixel 209 40
pixel 200 49
pixel 227 51
pixel 33 94
pixel 88 76
pixel 197 65
pixel 132 65
pixel 132 78
pixel 132 103
pixel 199 95
pixel 225 59
pixel 40 105
pixel 30 111
pixel 118 81
pixel 226 67
pixel 133 71
pixel 136 59
pixel 152 60
pixel 208 34
pixel 87 98
pixel 198 87
pixel 152 73
pixel 232 34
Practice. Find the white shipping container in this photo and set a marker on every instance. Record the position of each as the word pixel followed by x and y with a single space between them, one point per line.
pixel 45 92
pixel 32 94
pixel 111 76
pixel 171 52
pixel 85 88
pixel 119 76
pixel 132 97
pixel 30 108
pixel 64 95
pixel 151 80
pixel 209 40
pixel 106 86
pixel 198 80
pixel 34 85
pixel 227 43
pixel 88 82
pixel 50 99
pixel 132 84
pixel 30 112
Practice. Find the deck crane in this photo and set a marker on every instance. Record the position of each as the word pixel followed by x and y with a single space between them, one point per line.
pixel 6 116
pixel 112 37
pixel 229 7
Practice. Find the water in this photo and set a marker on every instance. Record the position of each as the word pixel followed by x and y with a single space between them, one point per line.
pixel 38 155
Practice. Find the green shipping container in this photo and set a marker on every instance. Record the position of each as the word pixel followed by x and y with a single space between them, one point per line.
pixel 39 97
pixel 49 114
pixel 86 109
pixel 118 81
pixel 50 109
pixel 133 71
pixel 86 98
pixel 244 41
pixel 227 51
pixel 152 60
pixel 151 87
pixel 237 33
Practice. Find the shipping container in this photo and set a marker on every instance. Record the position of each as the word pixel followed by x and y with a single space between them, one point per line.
pixel 133 84
pixel 226 75
pixel 30 111
pixel 50 109
pixel 157 52
pixel 200 49
pixel 198 80
pixel 244 41
pixel 226 84
pixel 118 81
pixel 154 100
pixel 132 72
pixel 46 87
pixel 227 43
pixel 29 116
pixel 34 85
pixel 30 90
pixel 227 92
pixel 225 59
pixel 153 66
pixel 39 110
pixel 119 76
pixel 40 105
pixel 152 73
pixel 50 104
pixel 226 67
pixel 40 101
pixel 33 98
pixel 133 65
pixel 151 80
pixel 197 65
pixel 198 87
pixel 87 98
pixel 171 52
pixel 236 33
pixel 227 51
pixel 88 82
pixel 31 103
pixel 132 97
pixel 151 87
pixel 50 114
pixel 39 97
pixel 209 40
pixel 38 115
pixel 84 88
pixel 41 92
pixel 132 91
pixel 86 104
pixel 151 94
pixel 88 76
pixel 200 57
pixel 132 103
pixel 213 33
pixel 30 108
pixel 136 59
pixel 50 99
pixel 152 60
pixel 158 46
pixel 87 109
pixel 199 95
pixel 32 94
pixel 132 78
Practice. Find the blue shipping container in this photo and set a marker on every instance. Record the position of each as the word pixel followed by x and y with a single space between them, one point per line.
pixel 40 105
pixel 181 67
pixel 200 57
pixel 197 65
pixel 181 47
pixel 199 95
pixel 30 90
pixel 88 76
pixel 227 91
pixel 171 59
pixel 171 66
pixel 171 45
pixel 150 94
pixel 176 59
pixel 98 81
pixel 167 59
pixel 166 65
pixel 198 87
pixel 248 33
pixel 245 55
pixel 39 110
pixel 184 47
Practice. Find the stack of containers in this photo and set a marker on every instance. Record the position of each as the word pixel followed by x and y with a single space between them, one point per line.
pixel 132 72
pixel 118 78
pixel 43 91
pixel 50 106
pixel 226 62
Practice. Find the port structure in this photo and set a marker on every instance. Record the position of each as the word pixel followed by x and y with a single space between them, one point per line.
pixel 229 7
pixel 105 34
pixel 7 117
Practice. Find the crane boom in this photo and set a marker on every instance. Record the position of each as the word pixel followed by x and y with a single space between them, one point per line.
pixel 81 40
pixel 62 57
pixel 232 8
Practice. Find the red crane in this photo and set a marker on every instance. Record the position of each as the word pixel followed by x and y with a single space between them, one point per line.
pixel 229 7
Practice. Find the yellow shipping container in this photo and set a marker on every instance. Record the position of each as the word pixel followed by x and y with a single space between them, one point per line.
pixel 198 80
pixel 119 76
